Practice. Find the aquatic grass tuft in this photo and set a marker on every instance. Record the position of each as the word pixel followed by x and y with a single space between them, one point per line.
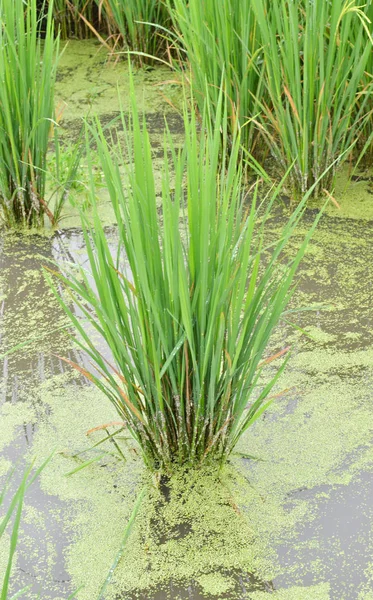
pixel 130 25
pixel 140 23
pixel 76 18
pixel 315 56
pixel 28 72
pixel 29 54
pixel 218 44
pixel 188 304
pixel 84 19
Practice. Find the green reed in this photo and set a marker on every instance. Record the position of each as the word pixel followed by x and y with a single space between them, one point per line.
pixel 188 304
pixel 29 54
pixel 366 141
pixel 315 56
pixel 74 17
pixel 140 23
pixel 82 19
pixel 220 44
pixel 118 24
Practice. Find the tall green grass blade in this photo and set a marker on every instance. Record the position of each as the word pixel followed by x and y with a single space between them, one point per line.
pixel 20 593
pixel 72 596
pixel 85 464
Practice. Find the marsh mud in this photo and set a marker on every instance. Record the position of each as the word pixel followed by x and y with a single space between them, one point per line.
pixel 294 525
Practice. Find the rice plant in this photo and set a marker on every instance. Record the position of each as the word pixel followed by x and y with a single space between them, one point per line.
pixel 28 66
pixel 138 22
pixel 315 55
pixel 134 25
pixel 28 72
pixel 83 19
pixel 76 18
pixel 188 304
pixel 219 43
pixel 365 143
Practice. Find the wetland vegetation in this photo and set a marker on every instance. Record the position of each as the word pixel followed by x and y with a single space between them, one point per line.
pixel 185 300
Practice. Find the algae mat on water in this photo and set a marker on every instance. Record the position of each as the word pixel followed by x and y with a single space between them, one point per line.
pixel 88 81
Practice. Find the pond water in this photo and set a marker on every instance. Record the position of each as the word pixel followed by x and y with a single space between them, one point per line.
pixel 294 525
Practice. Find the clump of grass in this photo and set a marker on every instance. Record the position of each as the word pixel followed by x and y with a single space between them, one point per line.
pixel 315 56
pixel 220 44
pixel 84 19
pixel 119 24
pixel 67 17
pixel 188 304
pixel 140 24
pixel 365 143
pixel 28 67
pixel 77 18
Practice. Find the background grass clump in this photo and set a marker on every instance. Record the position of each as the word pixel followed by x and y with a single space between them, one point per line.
pixel 135 26
pixel 28 69
pixel 315 57
pixel 29 53
pixel 297 76
pixel 218 45
pixel 141 26
pixel 77 18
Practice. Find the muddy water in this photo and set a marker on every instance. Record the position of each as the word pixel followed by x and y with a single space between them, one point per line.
pixel 295 525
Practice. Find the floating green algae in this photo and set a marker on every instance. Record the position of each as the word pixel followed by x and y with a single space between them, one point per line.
pixel 29 307
pixel 199 517
pixel 366 593
pixel 13 417
pixel 318 335
pixel 353 194
pixel 215 583
pixel 89 81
